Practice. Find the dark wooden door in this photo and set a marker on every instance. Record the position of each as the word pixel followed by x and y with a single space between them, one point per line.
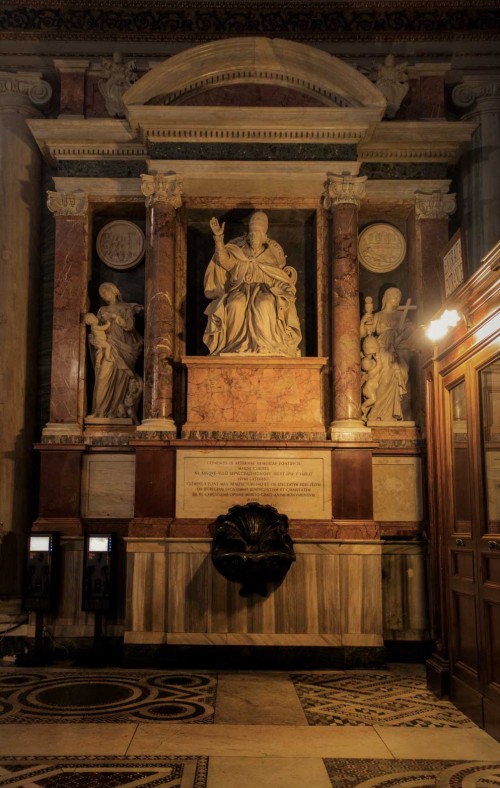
pixel 471 399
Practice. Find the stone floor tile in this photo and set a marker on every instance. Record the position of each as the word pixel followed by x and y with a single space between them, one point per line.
pixel 258 741
pixel 77 739
pixel 276 772
pixel 258 698
pixel 452 743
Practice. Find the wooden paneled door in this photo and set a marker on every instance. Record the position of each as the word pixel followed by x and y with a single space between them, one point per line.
pixel 470 506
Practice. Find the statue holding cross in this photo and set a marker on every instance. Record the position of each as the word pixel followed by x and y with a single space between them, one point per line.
pixel 387 344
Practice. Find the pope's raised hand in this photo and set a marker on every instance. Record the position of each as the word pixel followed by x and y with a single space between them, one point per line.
pixel 216 228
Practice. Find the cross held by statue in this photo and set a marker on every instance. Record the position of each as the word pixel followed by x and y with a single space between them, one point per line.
pixel 404 311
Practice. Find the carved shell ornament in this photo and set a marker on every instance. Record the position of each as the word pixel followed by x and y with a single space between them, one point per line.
pixel 252 546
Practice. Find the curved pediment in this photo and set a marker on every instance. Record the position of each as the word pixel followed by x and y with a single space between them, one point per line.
pixel 305 75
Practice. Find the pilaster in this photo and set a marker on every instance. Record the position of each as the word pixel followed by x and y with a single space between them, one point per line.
pixel 71 273
pixel 72 76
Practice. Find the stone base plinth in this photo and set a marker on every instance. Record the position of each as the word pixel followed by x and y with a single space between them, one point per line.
pixel 254 397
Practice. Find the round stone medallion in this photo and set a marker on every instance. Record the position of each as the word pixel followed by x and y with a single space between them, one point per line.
pixel 381 248
pixel 120 244
pixel 84 694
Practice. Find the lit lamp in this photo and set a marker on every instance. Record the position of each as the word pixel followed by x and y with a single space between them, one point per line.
pixel 439 328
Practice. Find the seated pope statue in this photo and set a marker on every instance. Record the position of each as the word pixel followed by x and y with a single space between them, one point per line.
pixel 252 294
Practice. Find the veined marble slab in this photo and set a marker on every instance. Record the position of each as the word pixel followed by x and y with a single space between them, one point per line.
pixel 298 482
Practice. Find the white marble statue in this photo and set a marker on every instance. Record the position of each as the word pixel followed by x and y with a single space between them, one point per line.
pixel 115 346
pixel 387 344
pixel 392 81
pixel 252 294
pixel 118 77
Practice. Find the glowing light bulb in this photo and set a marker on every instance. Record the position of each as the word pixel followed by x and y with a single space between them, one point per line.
pixel 437 330
pixel 450 317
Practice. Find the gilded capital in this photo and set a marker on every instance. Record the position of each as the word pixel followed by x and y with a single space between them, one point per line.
pixel 435 205
pixel 23 90
pixel 162 189
pixel 342 189
pixel 68 203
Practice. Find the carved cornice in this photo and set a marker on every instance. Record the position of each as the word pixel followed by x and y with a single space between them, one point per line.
pixel 68 203
pixel 162 189
pixel 484 90
pixel 417 141
pixel 435 205
pixel 342 189
pixel 23 90
pixel 318 20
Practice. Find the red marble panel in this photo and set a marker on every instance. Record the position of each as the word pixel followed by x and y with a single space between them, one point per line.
pixel 70 292
pixel 159 313
pixel 352 493
pixel 346 354
pixel 252 96
pixel 432 97
pixel 155 482
pixel 72 94
pixel 95 104
pixel 60 480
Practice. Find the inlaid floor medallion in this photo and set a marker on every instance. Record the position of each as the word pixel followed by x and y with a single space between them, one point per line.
pixel 106 696
pixel 187 771
pixel 374 698
pixel 378 773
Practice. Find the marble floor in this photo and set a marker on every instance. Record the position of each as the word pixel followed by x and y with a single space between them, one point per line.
pixel 101 728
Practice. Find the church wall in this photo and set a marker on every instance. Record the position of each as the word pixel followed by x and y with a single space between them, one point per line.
pixel 348 587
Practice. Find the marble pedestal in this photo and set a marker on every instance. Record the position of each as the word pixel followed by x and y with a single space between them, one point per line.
pixel 254 397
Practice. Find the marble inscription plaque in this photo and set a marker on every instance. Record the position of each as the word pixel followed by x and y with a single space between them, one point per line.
pixel 297 483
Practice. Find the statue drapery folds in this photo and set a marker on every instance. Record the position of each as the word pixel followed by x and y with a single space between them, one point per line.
pixel 252 294
pixel 115 347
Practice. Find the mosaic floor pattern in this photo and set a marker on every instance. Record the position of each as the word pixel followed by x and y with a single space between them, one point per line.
pixel 354 773
pixel 373 698
pixel 104 772
pixel 34 696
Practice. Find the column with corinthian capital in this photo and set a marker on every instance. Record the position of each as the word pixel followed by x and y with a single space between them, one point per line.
pixel 427 236
pixel 343 196
pixel 20 96
pixel 163 198
pixel 480 165
pixel 71 274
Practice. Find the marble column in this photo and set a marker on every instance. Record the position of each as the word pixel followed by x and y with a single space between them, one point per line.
pixel 343 195
pixel 71 273
pixel 163 198
pixel 20 94
pixel 480 95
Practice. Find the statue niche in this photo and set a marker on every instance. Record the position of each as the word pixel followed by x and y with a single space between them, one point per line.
pixel 252 546
pixel 115 345
pixel 387 341
pixel 252 293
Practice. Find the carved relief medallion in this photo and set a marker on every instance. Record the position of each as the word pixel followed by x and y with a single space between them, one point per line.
pixel 120 244
pixel 381 248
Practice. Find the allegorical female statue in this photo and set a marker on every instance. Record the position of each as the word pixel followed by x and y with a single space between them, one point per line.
pixel 387 345
pixel 252 294
pixel 115 346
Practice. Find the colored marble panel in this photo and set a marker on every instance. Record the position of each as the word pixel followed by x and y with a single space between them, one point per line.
pixel 253 394
pixel 70 292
